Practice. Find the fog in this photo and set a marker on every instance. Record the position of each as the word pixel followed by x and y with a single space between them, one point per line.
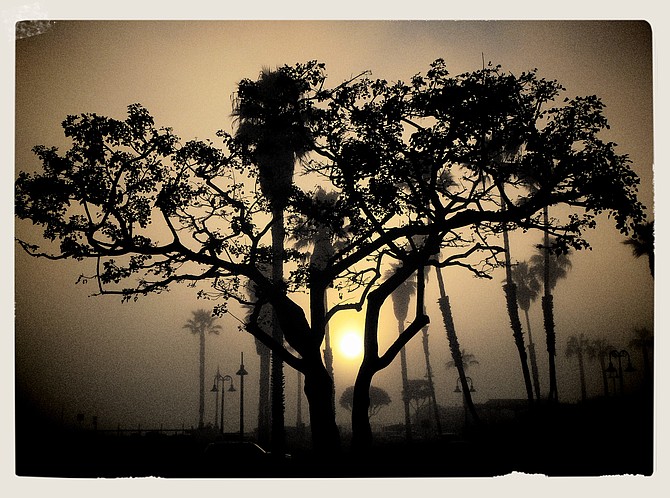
pixel 135 364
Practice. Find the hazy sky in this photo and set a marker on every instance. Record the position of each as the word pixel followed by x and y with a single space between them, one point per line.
pixel 134 363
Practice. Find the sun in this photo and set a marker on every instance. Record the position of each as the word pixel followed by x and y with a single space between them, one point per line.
pixel 351 344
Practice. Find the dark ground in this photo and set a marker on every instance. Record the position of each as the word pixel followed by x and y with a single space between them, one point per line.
pixel 610 436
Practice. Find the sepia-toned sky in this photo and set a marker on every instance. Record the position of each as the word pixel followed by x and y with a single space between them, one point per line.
pixel 135 365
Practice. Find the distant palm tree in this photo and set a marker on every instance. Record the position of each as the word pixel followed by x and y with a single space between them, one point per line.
pixel 642 242
pixel 599 349
pixel 468 359
pixel 643 341
pixel 527 290
pixel 201 324
pixel 577 345
pixel 273 132
pixel 401 298
pixel 552 267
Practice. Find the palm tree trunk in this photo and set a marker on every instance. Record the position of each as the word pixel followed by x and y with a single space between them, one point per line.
pixel 603 370
pixel 429 374
pixel 263 394
pixel 277 377
pixel 405 399
pixel 454 346
pixel 533 359
pixel 201 405
pixel 298 418
pixel 548 314
pixel 582 376
pixel 513 312
pixel 328 351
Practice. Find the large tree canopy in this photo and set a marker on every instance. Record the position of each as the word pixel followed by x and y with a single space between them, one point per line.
pixel 426 173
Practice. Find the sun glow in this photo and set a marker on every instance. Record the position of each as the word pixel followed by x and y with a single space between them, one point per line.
pixel 351 344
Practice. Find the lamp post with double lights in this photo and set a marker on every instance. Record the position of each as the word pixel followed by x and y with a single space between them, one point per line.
pixel 215 389
pixel 242 372
pixel 614 372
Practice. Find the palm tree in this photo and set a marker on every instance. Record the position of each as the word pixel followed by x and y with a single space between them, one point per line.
pixel 577 345
pixel 643 341
pixel 599 349
pixel 468 359
pixel 552 267
pixel 272 131
pixel 527 290
pixel 401 298
pixel 642 242
pixel 201 324
pixel 454 346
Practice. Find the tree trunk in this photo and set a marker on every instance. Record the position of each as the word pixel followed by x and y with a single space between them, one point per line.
pixel 513 312
pixel 277 378
pixel 405 399
pixel 431 385
pixel 298 417
pixel 454 346
pixel 517 333
pixel 318 389
pixel 603 370
pixel 548 314
pixel 328 351
pixel 263 394
pixel 360 421
pixel 582 376
pixel 201 404
pixel 533 358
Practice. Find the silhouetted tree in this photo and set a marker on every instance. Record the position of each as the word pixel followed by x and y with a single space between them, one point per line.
pixel 379 398
pixel 598 350
pixel 553 267
pixel 385 149
pixel 418 394
pixel 527 290
pixel 202 324
pixel 642 242
pixel 578 345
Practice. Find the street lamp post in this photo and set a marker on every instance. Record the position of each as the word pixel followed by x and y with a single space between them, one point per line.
pixel 221 378
pixel 615 373
pixel 242 372
pixel 469 387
